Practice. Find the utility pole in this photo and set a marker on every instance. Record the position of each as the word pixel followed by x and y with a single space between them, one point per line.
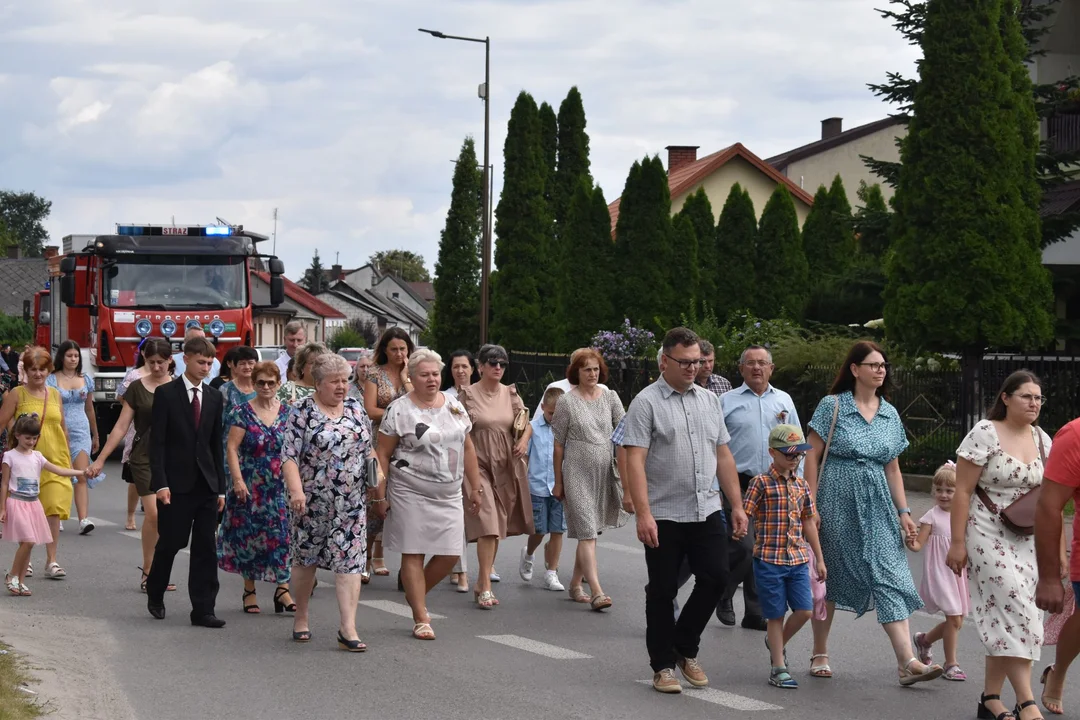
pixel 275 232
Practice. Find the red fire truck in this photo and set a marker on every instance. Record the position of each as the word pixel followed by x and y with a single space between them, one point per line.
pixel 151 280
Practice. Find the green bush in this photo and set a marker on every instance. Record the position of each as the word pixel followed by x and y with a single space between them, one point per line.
pixel 15 331
pixel 346 337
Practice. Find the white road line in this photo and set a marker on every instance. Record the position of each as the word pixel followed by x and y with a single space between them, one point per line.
pixel 535 646
pixel 396 608
pixel 104 523
pixel 135 534
pixel 619 547
pixel 719 697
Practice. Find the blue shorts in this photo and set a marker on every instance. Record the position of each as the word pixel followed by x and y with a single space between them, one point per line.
pixel 547 515
pixel 782 586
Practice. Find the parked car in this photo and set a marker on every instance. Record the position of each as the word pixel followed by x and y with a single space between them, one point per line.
pixel 269 352
pixel 351 354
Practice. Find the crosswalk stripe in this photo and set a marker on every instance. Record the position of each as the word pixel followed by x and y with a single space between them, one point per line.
pixel 103 523
pixel 719 697
pixel 619 547
pixel 535 646
pixel 396 608
pixel 135 534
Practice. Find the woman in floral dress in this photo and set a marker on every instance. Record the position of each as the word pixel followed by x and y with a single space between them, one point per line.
pixel 254 538
pixel 327 442
pixel 1003 456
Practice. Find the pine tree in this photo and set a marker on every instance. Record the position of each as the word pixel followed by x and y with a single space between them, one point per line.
pixel 871 221
pixel 455 321
pixel 644 249
pixel 314 280
pixel 964 270
pixel 736 253
pixel 781 258
pixel 522 227
pixel 587 296
pixel 573 161
pixel 698 210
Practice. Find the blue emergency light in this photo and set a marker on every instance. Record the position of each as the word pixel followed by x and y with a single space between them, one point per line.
pixel 184 230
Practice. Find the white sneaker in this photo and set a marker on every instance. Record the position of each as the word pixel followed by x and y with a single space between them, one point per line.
pixel 551 581
pixel 86 526
pixel 525 567
pixel 61 526
pixel 494 576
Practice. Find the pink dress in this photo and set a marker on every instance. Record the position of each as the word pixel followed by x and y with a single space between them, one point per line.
pixel 25 521
pixel 942 591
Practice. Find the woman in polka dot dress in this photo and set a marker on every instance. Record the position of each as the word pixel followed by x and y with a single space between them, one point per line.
pixel 864 517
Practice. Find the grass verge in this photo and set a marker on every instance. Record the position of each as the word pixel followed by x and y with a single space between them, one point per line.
pixel 15 704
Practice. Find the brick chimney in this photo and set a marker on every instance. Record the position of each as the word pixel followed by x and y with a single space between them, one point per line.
pixel 13 252
pixel 336 273
pixel 51 251
pixel 679 155
pixel 831 127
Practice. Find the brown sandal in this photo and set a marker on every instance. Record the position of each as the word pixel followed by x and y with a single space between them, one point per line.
pixel 600 602
pixel 577 594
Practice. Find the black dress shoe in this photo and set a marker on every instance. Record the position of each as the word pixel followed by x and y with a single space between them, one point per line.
pixel 207 621
pixel 755 622
pixel 156 609
pixel 725 613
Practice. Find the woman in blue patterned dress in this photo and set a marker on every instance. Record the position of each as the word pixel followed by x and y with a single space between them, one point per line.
pixel 865 520
pixel 327 442
pixel 254 538
pixel 77 391
pixel 239 389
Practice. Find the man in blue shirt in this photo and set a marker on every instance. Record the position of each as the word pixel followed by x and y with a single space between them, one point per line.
pixel 548 516
pixel 751 411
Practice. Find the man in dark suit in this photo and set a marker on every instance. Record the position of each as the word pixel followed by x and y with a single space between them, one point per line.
pixel 188 474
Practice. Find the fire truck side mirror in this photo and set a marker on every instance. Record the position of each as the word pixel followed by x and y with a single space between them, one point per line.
pixel 276 266
pixel 277 290
pixel 67 280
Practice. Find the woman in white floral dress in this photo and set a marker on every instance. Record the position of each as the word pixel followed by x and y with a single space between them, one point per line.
pixel 1003 456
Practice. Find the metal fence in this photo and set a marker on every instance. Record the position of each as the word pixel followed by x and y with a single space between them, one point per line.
pixel 931 403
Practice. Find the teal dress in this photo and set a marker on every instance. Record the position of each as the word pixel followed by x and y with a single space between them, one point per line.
pixel 860 530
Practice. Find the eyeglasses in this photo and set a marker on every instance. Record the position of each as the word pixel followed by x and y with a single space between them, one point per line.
pixel 757 363
pixel 685 364
pixel 498 364
pixel 1029 398
pixel 265 383
pixel 794 457
pixel 876 367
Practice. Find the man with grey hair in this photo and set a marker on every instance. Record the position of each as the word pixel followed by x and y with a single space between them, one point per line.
pixel 717 384
pixel 295 337
pixel 751 412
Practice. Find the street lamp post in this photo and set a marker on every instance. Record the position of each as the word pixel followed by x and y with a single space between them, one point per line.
pixel 485 263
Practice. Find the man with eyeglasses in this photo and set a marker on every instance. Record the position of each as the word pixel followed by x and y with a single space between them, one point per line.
pixel 706 378
pixel 676 444
pixel 750 413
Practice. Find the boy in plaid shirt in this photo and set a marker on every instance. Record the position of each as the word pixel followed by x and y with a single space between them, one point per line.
pixel 783 511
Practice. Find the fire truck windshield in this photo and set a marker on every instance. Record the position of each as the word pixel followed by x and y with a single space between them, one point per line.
pixel 175 281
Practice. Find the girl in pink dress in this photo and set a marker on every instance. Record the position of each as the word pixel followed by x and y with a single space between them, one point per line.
pixel 942 590
pixel 21 514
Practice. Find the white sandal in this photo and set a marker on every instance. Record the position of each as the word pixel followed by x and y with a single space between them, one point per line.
pixel 53 571
pixel 12 585
pixel 910 677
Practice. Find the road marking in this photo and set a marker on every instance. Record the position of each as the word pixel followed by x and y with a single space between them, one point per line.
pixel 396 608
pixel 535 646
pixel 104 523
pixel 135 534
pixel 619 547
pixel 719 697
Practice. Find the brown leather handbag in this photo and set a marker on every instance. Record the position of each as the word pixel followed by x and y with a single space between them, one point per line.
pixel 1019 515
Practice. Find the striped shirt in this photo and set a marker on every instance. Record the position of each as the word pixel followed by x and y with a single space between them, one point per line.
pixel 779 505
pixel 681 432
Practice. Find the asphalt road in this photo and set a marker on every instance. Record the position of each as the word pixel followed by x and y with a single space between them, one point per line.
pixel 538 655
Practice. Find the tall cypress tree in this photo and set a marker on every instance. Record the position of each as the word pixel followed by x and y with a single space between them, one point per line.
pixel 781 258
pixel 686 278
pixel 549 146
pixel 456 315
pixel 736 255
pixel 522 225
pixel 573 161
pixel 828 237
pixel 553 257
pixel 644 249
pixel 587 295
pixel 698 210
pixel 964 270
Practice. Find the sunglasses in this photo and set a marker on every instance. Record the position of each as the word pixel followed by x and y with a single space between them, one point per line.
pixel 794 456
pixel 499 363
pixel 265 383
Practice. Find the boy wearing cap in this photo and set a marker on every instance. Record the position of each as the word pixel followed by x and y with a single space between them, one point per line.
pixel 782 508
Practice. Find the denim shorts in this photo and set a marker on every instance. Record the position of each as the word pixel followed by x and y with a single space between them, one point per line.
pixel 782 586
pixel 547 515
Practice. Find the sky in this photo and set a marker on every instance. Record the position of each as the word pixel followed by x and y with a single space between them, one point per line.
pixel 347 120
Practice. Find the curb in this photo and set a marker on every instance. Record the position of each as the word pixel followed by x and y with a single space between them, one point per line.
pixel 919 483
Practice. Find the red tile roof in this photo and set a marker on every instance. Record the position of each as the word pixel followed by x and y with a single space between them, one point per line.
pixel 687 176
pixel 299 295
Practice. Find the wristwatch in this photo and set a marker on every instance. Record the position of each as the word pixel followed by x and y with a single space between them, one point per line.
pixel 903 510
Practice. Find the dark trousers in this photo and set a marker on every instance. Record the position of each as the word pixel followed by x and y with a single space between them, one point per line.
pixel 193 516
pixel 704 545
pixel 741 562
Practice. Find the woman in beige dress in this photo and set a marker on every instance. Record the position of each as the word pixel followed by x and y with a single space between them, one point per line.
pixel 492 408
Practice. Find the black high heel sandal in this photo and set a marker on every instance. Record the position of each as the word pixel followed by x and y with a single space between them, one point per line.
pixel 280 607
pixel 984 713
pixel 355 646
pixel 250 609
pixel 1020 707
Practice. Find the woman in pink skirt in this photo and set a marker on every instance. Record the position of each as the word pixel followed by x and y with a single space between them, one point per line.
pixel 21 514
pixel 942 590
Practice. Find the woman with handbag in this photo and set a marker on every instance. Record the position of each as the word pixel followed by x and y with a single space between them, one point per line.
pixel 500 434
pixel 854 474
pixel 585 474
pixel 999 470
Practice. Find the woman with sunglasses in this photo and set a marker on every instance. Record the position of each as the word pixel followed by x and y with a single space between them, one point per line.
pixel 864 516
pixel 493 408
pixel 254 537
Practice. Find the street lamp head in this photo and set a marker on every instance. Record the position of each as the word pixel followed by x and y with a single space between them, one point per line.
pixel 433 33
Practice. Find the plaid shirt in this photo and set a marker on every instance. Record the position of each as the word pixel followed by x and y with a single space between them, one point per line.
pixel 717 384
pixel 778 506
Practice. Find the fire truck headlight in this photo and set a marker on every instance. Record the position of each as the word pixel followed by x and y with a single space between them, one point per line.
pixel 217 328
pixel 144 327
pixel 105 384
pixel 168 328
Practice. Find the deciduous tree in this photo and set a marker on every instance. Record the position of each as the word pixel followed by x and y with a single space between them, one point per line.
pixel 404 264
pixel 24 214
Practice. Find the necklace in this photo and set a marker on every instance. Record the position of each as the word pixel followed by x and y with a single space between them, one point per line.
pixel 70 375
pixel 337 412
pixel 428 406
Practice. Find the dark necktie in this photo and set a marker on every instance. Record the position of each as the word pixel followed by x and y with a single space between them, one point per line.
pixel 196 407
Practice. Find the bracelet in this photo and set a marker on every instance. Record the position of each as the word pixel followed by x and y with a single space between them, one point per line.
pixel 380 500
pixel 903 510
